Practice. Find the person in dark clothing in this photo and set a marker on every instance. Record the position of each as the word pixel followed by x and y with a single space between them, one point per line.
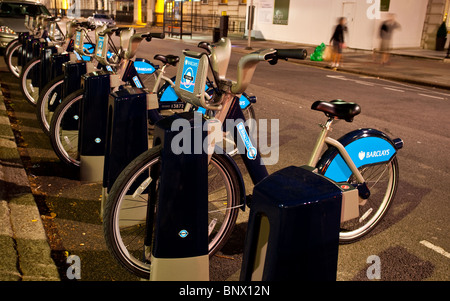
pixel 338 42
pixel 386 31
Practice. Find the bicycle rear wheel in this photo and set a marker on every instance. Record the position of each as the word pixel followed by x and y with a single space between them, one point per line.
pixel 64 129
pixel 29 80
pixel 382 180
pixel 125 214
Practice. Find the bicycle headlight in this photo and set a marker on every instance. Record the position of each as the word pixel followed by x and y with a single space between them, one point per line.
pixel 6 29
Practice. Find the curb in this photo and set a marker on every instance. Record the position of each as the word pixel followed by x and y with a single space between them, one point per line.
pixel 25 253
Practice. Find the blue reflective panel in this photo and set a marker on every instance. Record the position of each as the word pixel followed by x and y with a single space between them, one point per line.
pixel 143 67
pixel 251 150
pixel 137 82
pixel 89 48
pixel 244 102
pixel 365 151
pixel 169 94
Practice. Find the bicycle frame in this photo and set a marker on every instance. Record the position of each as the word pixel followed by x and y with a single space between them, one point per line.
pixel 337 165
pixel 324 139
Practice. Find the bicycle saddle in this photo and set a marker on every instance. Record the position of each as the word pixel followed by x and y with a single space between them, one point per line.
pixel 167 59
pixel 337 108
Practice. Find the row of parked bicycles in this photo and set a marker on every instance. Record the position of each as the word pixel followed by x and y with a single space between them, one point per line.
pixel 51 66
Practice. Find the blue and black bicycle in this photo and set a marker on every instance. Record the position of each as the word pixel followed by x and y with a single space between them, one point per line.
pixel 64 122
pixel 366 159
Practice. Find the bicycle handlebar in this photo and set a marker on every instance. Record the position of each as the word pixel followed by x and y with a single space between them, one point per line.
pixel 157 35
pixel 247 65
pixel 285 54
pixel 205 45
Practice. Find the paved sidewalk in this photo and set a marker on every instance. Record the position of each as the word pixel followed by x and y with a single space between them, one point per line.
pixel 24 249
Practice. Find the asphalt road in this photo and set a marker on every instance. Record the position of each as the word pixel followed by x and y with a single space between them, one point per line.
pixel 412 242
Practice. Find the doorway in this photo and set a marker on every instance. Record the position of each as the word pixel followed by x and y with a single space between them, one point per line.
pixel 348 11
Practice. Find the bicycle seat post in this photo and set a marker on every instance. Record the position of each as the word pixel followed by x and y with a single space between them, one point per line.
pixel 320 142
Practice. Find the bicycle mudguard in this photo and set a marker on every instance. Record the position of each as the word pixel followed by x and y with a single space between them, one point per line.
pixel 144 66
pixel 167 92
pixel 365 147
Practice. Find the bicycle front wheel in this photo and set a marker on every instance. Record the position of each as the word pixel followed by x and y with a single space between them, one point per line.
pixel 64 129
pixel 382 180
pixel 49 99
pixel 131 198
pixel 29 80
pixel 12 57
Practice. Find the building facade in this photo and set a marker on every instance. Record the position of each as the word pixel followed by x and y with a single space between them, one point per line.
pixel 204 15
pixel 313 21
pixel 300 21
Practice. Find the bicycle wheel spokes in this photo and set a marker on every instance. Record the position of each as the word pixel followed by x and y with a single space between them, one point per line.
pixel 51 97
pixel 130 221
pixel 13 60
pixel 67 133
pixel 131 213
pixel 382 181
pixel 132 227
pixel 30 78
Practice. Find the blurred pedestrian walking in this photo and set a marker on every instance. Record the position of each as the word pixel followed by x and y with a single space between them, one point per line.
pixel 338 42
pixel 386 32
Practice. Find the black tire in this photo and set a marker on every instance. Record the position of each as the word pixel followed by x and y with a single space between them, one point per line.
pixel 382 180
pixel 11 60
pixel 8 48
pixel 48 100
pixel 116 235
pixel 64 129
pixel 27 80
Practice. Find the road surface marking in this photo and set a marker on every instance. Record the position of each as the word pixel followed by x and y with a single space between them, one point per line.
pixel 393 89
pixel 435 248
pixel 431 96
pixel 341 77
pixel 364 83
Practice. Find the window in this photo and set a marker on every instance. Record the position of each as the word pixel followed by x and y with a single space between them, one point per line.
pixel 18 10
pixel 204 1
pixel 384 5
pixel 223 2
pixel 242 1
